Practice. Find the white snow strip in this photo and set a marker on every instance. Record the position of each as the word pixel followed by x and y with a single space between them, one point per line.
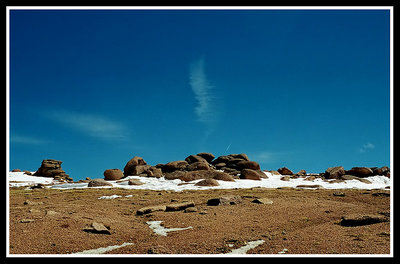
pixel 103 250
pixel 249 245
pixel 159 184
pixel 162 231
pixel 18 179
pixel 109 197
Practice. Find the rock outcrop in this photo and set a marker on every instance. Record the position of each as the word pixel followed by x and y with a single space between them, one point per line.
pixel 52 168
pixel 197 166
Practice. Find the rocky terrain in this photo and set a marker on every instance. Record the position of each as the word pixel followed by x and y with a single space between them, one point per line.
pixel 256 220
pixel 205 166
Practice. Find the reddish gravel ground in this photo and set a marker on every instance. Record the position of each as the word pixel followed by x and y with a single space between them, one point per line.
pixel 47 221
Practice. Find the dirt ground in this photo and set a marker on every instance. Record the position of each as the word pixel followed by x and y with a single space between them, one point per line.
pixel 299 221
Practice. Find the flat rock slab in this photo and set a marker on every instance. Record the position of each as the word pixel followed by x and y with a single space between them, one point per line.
pixel 97 228
pixel 150 209
pixel 179 206
pixel 360 220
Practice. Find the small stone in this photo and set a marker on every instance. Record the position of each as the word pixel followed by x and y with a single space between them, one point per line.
pixel 27 221
pixel 135 182
pixel 225 200
pixel 51 213
pixel 263 201
pixel 341 194
pixel 190 210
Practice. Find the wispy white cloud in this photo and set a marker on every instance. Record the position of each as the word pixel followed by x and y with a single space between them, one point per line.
pixel 92 125
pixel 205 108
pixel 28 140
pixel 367 147
pixel 268 157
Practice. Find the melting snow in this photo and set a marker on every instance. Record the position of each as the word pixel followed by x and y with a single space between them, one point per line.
pixel 103 250
pixel 247 247
pixel 162 231
pixel 150 183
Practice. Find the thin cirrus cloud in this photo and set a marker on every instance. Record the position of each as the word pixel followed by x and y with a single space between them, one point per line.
pixel 27 140
pixel 205 109
pixel 366 147
pixel 95 126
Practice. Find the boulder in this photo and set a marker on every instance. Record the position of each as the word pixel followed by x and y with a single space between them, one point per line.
pixel 250 174
pixel 220 166
pixel 285 171
pixel 222 159
pixel 310 178
pixel 98 183
pixel 241 156
pixel 199 165
pixel 130 166
pixel 225 176
pixel 141 170
pixel 285 178
pixel 207 156
pixel 207 182
pixel 301 173
pixel 231 171
pixel 246 164
pixel 135 182
pixel 205 174
pixel 154 172
pixel 274 172
pixel 381 171
pixel 360 171
pixel 113 174
pixel 174 175
pixel 334 172
pixel 175 165
pixel 195 158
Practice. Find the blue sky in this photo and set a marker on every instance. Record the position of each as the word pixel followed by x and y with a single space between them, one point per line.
pixel 305 89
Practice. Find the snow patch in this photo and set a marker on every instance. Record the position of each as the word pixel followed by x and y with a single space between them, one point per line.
pixel 103 250
pixel 151 183
pixel 249 245
pixel 162 231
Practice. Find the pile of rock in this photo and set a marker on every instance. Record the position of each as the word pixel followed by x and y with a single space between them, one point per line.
pixel 52 168
pixel 199 166
pixel 359 172
pixel 336 174
pixel 209 169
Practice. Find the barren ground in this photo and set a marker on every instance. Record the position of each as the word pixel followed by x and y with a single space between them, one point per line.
pixel 300 221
